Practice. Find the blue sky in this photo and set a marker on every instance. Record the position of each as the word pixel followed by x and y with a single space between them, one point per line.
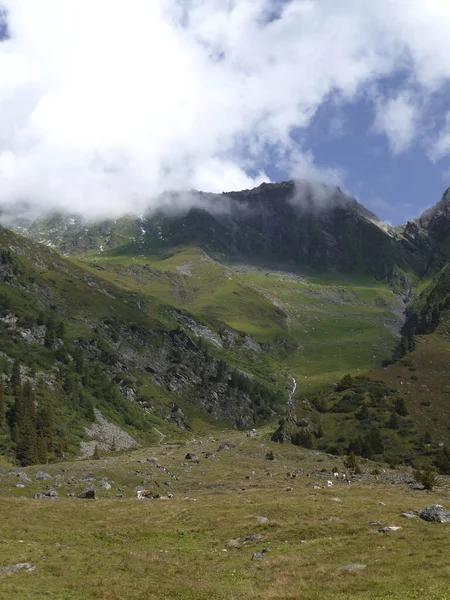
pixel 397 187
pixel 105 105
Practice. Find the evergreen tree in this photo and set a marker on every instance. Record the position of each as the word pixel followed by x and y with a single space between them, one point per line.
pixel 374 442
pixel 320 432
pixel 45 429
pixel 345 383
pixel 363 413
pixel 393 422
pixel 15 380
pixel 400 407
pixel 50 338
pixel 25 428
pixel 442 460
pixel 353 464
pixel 60 330
pixel 2 401
pixel 41 451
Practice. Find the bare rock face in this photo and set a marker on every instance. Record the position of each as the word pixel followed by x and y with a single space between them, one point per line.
pixel 105 436
pixel 436 513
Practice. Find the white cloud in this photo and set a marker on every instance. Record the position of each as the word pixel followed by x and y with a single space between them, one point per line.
pixel 441 146
pixel 398 119
pixel 104 104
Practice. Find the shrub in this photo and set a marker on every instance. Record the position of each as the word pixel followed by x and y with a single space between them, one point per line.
pixel 353 464
pixel 345 383
pixel 303 438
pixel 426 477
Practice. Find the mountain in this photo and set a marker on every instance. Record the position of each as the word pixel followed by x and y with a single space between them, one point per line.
pixel 292 225
pixel 207 311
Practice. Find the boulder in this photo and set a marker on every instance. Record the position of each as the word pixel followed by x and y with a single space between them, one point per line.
pixel 436 513
pixel 105 485
pixel 391 529
pixel 42 476
pixel 190 456
pixel 262 520
pixel 226 446
pixel 87 495
pixel 257 556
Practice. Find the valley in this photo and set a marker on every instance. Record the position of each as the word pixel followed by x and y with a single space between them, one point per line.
pixel 227 363
pixel 237 525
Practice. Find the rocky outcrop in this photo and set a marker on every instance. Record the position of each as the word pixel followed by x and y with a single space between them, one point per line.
pixel 105 436
pixel 435 513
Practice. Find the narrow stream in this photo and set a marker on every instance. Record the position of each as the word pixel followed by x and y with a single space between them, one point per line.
pixel 290 402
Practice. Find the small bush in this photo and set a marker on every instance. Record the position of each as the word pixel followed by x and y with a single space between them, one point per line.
pixel 427 478
pixel 353 464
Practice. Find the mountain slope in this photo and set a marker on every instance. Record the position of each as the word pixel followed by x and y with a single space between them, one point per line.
pixel 83 342
pixel 290 225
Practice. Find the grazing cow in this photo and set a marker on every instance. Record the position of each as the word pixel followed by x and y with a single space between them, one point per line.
pixel 343 477
pixel 149 495
pixel 336 475
pixel 141 494
pixel 329 483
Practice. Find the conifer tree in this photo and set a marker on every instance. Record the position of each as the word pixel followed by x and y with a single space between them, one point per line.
pixel 45 428
pixel 25 427
pixel 2 401
pixel 15 379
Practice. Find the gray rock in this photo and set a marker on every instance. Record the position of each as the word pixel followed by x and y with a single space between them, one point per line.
pixel 226 446
pixel 391 529
pixel 19 485
pixel 257 556
pixel 28 567
pixel 87 495
pixel 190 456
pixel 436 513
pixel 410 515
pixel 105 485
pixel 50 494
pixel 233 543
pixel 355 567
pixel 252 538
pixel 262 520
pixel 42 476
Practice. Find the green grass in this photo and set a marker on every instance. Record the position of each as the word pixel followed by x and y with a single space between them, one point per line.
pixel 331 325
pixel 120 548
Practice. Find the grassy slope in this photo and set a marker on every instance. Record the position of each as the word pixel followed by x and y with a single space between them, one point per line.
pixel 47 283
pixel 423 379
pixel 332 326
pixel 122 548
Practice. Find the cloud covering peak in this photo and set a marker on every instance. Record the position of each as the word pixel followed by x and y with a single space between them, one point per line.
pixel 105 104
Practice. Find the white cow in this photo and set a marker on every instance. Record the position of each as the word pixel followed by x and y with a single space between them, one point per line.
pixel 141 494
pixel 329 484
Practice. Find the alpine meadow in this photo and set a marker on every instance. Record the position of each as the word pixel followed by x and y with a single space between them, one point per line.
pixel 224 300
